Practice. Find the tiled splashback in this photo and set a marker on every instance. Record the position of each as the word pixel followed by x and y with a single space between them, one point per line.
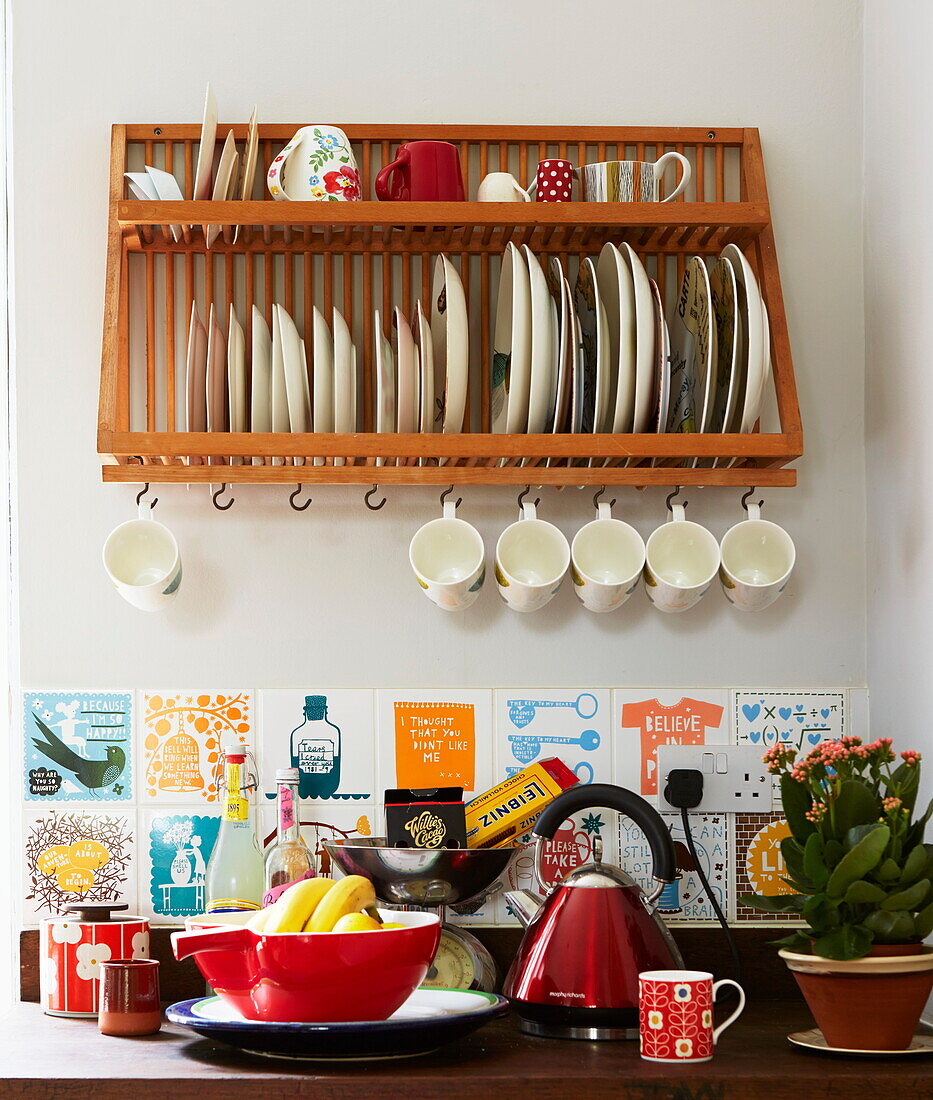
pixel 119 794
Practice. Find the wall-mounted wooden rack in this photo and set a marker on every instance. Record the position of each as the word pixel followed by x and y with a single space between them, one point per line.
pixel 366 255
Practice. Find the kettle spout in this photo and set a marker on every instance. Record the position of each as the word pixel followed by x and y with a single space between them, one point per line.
pixel 523 904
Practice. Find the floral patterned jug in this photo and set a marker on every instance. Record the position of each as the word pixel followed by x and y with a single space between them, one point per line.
pixel 316 165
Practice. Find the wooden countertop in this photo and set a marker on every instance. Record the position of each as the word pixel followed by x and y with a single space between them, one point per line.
pixel 59 1059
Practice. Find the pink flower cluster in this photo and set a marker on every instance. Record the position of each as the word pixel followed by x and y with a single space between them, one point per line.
pixel 911 757
pixel 891 804
pixel 816 812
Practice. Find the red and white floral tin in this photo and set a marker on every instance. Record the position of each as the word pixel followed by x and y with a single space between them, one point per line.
pixel 675 1015
pixel 74 944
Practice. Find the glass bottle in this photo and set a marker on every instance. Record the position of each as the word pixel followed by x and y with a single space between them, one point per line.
pixel 289 859
pixel 315 750
pixel 235 872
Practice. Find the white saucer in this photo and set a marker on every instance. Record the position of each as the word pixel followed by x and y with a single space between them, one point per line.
pixel 814 1040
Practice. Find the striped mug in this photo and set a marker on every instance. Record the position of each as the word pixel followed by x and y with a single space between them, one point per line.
pixel 631 180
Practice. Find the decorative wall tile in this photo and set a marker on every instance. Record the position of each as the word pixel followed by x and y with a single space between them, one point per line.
pixel 685 899
pixel 758 864
pixel 535 723
pixel 77 746
pixel 439 738
pixel 176 851
pixel 645 718
pixel 184 735
pixel 328 734
pixel 72 856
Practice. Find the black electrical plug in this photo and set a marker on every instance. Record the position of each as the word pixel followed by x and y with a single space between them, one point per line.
pixel 684 788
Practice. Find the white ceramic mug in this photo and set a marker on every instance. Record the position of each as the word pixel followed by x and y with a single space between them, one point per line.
pixel 681 560
pixel 501 187
pixel 532 557
pixel 142 559
pixel 757 561
pixel 631 180
pixel 449 560
pixel 317 165
pixel 607 557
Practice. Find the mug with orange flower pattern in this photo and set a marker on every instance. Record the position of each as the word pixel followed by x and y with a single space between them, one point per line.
pixel 317 165
pixel 675 1015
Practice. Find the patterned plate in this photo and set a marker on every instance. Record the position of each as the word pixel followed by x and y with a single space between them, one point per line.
pixel 813 1040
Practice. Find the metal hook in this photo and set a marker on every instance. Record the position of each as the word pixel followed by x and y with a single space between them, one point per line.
pixel 745 497
pixel 671 496
pixel 222 507
pixel 523 494
pixel 599 492
pixel 142 492
pixel 446 493
pixel 373 507
pixel 292 497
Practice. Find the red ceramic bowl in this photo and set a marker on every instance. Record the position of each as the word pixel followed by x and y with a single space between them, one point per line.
pixel 315 977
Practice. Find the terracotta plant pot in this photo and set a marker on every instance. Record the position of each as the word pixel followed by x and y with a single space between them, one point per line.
pixel 872 1003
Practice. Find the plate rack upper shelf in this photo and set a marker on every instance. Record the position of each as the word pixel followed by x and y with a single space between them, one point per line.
pixel 365 256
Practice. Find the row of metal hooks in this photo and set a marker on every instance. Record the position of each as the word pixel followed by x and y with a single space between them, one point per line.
pixel 367 498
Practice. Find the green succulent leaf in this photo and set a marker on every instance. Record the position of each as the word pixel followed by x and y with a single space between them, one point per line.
pixel 781 903
pixel 833 851
pixel 889 871
pixel 814 864
pixel 821 913
pixel 923 922
pixel 864 893
pixel 856 863
pixel 911 898
pixel 891 926
pixel 851 941
pixel 854 805
pixel 857 833
pixel 915 864
pixel 797 801
pixel 797 941
pixel 905 782
pixel 914 834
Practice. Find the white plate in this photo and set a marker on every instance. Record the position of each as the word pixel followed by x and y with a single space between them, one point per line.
pixel 578 370
pixel 749 308
pixel 662 365
pixel 205 168
pixel 406 362
pixel 167 189
pixel 565 343
pixel 693 353
pixel 196 379
pixel 728 343
pixel 816 1040
pixel 280 420
pixel 250 157
pixel 594 331
pixel 543 372
pixel 644 341
pixel 386 404
pixel 511 362
pixel 344 398
pixel 297 391
pixel 224 183
pixel 451 339
pixel 216 378
pixel 142 186
pixel 260 415
pixel 237 409
pixel 614 275
pixel 422 334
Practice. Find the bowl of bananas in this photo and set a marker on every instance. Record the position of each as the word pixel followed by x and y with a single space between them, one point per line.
pixel 322 952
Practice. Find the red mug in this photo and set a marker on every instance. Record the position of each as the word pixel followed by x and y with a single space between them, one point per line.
pixel 129 997
pixel 675 1015
pixel 554 181
pixel 423 171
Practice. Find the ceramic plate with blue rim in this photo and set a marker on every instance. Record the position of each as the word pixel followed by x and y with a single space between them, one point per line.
pixel 427 1020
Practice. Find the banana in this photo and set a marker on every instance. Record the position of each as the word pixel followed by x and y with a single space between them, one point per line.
pixel 357 922
pixel 393 924
pixel 348 895
pixel 292 909
pixel 258 920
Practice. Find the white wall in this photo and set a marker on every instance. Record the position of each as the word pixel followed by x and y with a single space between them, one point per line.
pixel 899 377
pixel 271 597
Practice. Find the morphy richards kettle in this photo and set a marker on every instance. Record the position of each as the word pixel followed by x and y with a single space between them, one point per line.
pixel 576 972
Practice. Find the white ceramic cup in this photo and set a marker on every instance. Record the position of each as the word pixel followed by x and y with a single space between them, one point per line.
pixel 142 559
pixel 317 165
pixel 449 560
pixel 532 557
pixel 757 561
pixel 607 557
pixel 501 187
pixel 681 560
pixel 631 180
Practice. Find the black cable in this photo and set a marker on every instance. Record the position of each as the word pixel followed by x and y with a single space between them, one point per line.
pixel 736 959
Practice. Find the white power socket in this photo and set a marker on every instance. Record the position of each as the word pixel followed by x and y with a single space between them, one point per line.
pixel 734 777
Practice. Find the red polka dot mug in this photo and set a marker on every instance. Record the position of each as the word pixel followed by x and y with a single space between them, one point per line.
pixel 675 1015
pixel 553 181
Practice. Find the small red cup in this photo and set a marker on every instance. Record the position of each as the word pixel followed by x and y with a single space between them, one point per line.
pixel 554 181
pixel 675 1015
pixel 129 997
pixel 423 171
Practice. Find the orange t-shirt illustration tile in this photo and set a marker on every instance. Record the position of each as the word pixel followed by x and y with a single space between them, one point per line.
pixel 685 723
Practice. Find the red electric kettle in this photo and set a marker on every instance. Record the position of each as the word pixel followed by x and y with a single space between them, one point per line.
pixel 576 972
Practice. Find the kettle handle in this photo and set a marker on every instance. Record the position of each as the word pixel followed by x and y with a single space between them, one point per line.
pixel 645 816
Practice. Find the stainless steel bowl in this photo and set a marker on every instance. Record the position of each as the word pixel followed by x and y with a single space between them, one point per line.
pixel 417 876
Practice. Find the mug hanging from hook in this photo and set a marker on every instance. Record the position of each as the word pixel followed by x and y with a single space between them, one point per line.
pixel 142 492
pixel 745 497
pixel 368 502
pixel 294 496
pixel 523 494
pixel 221 507
pixel 672 496
pixel 446 493
pixel 597 496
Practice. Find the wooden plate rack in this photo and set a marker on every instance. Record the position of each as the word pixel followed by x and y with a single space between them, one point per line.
pixel 365 255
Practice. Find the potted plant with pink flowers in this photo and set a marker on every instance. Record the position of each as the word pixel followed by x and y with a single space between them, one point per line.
pixel 862 876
